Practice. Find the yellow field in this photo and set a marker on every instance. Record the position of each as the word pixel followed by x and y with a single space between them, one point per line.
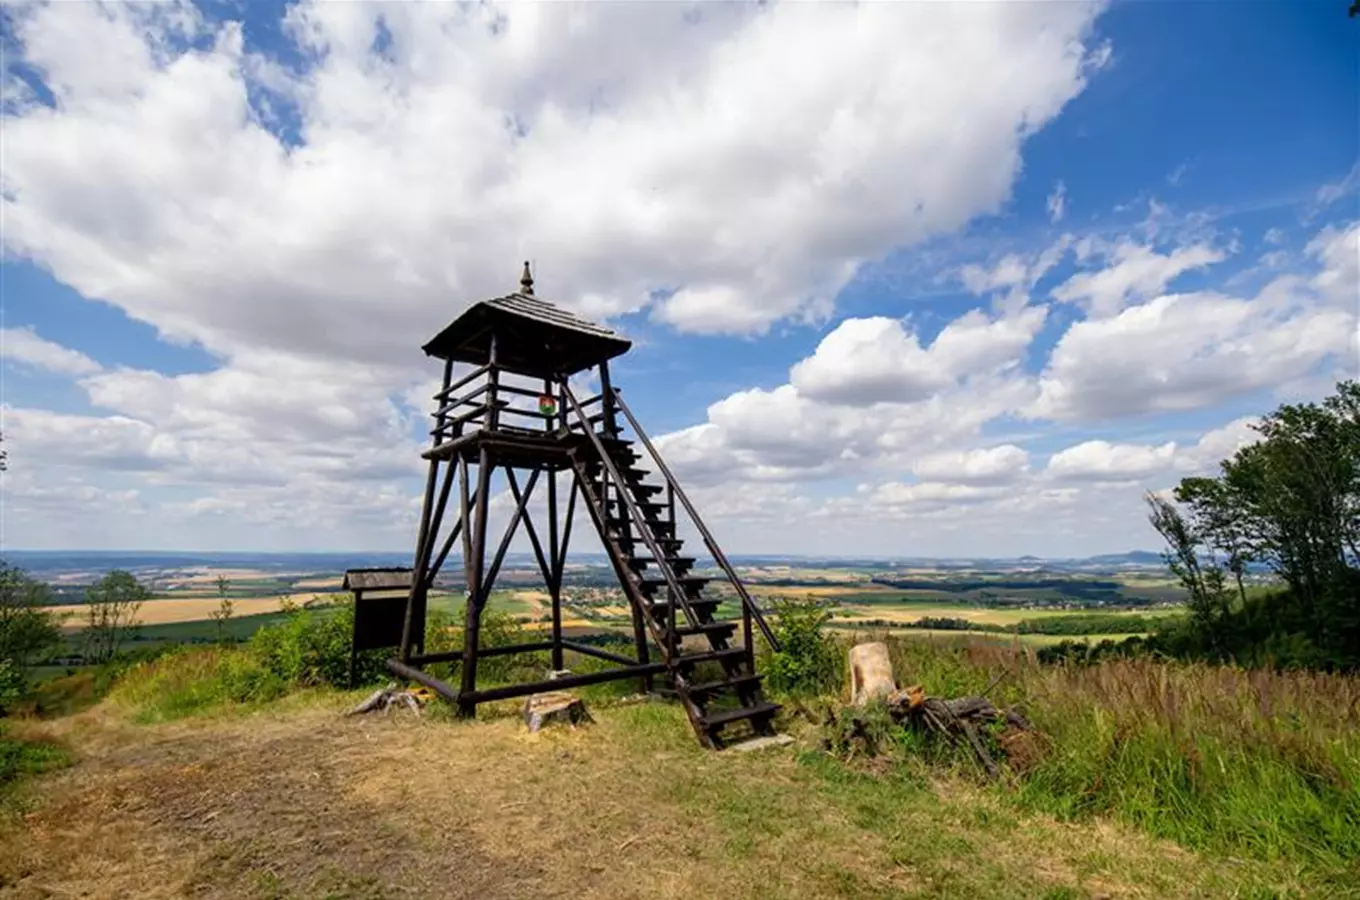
pixel 317 584
pixel 988 616
pixel 1038 640
pixel 162 612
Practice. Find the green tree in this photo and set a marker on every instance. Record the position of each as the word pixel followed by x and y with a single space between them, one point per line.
pixel 111 613
pixel 1291 501
pixel 222 614
pixel 808 661
pixel 27 628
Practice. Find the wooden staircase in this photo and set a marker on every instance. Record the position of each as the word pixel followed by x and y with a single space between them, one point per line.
pixel 709 669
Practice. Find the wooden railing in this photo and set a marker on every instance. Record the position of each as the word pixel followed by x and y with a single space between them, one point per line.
pixel 751 612
pixel 485 403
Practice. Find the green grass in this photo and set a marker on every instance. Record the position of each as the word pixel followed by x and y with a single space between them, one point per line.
pixel 1250 764
pixel 21 759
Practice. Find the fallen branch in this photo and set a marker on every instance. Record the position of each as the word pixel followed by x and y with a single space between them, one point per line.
pixel 957 721
pixel 387 698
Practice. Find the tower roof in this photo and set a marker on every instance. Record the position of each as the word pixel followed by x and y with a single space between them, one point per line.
pixel 532 336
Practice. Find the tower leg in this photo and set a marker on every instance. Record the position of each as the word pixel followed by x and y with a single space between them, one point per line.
pixel 643 654
pixel 413 628
pixel 474 547
pixel 554 582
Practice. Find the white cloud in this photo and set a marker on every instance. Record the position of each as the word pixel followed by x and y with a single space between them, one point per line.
pixel 1334 191
pixel 1274 236
pixel 1104 461
pixel 1057 202
pixel 876 360
pixel 23 345
pixel 1337 250
pixel 656 148
pixel 1188 351
pixel 1136 272
pixel 981 466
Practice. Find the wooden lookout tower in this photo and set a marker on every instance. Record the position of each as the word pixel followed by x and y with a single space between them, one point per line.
pixel 515 411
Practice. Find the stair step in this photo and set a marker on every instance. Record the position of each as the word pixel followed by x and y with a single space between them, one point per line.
pixel 653 506
pixel 724 629
pixel 706 688
pixel 620 522
pixel 627 473
pixel 678 564
pixel 693 659
pixel 661 609
pixel 728 716
pixel 687 582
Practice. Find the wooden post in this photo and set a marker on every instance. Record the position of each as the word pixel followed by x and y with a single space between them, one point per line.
pixel 476 598
pixel 559 567
pixel 493 380
pixel 471 616
pixel 643 653
pixel 607 401
pixel 553 583
pixel 422 538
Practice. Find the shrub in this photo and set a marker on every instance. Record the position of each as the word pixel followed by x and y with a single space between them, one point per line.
pixel 311 647
pixel 20 758
pixel 11 685
pixel 809 660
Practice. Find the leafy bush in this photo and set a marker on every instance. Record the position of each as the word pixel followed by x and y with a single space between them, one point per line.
pixel 19 758
pixel 27 628
pixel 192 680
pixel 11 685
pixel 809 661
pixel 311 647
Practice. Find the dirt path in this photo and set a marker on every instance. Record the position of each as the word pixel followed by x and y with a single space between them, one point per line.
pixel 241 810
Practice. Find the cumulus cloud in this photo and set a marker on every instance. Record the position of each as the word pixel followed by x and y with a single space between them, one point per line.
pixel 1104 461
pixel 1135 272
pixel 980 466
pixel 690 150
pixel 876 360
pixel 24 346
pixel 1187 351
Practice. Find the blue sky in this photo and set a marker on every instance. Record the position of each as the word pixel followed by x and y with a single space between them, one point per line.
pixel 971 284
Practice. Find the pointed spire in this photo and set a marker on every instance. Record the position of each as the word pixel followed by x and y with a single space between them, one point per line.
pixel 526 281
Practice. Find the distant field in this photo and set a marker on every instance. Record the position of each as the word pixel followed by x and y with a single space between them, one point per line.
pixel 194 609
pixel 1032 640
pixel 910 612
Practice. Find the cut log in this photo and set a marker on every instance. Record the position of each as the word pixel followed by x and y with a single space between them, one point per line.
pixel 871 674
pixel 559 706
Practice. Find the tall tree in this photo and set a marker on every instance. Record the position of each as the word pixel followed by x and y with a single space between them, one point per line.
pixel 111 613
pixel 27 628
pixel 1290 501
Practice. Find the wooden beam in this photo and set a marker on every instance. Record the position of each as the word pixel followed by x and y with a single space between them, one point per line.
pixel 476 599
pixel 528 520
pixel 397 667
pixel 457 655
pixel 588 650
pixel 422 535
pixel 519 514
pixel 554 589
pixel 566 682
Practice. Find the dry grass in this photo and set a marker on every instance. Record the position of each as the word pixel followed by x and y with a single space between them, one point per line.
pixel 297 801
pixel 194 609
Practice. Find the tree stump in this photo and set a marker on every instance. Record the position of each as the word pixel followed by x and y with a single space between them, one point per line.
pixel 871 674
pixel 559 706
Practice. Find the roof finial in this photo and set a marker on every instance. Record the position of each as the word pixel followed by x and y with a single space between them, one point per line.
pixel 526 281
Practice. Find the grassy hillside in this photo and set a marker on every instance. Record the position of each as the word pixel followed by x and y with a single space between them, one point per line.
pixel 1148 780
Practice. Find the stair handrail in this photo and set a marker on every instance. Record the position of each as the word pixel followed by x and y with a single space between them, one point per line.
pixel 677 593
pixel 714 550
